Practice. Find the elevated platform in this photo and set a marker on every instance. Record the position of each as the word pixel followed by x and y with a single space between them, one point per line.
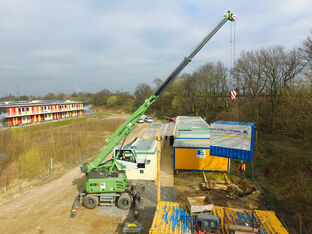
pixel 152 130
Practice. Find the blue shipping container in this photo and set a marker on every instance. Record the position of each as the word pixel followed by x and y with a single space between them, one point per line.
pixel 233 140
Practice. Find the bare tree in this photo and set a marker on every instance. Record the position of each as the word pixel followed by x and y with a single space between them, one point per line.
pixel 306 50
pixel 280 67
pixel 160 102
pixel 142 92
pixel 100 98
pixel 211 82
pixel 249 74
pixel 249 70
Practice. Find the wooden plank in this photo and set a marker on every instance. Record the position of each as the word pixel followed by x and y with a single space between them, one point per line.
pixel 226 178
pixel 242 229
pixel 205 179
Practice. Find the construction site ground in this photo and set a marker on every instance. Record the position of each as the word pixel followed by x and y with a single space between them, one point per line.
pixel 188 185
pixel 46 209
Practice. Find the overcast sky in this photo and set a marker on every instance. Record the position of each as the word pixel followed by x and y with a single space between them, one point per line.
pixel 72 45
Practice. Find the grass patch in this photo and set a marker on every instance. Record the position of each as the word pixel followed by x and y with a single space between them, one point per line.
pixel 284 169
pixel 102 113
pixel 28 150
pixel 214 176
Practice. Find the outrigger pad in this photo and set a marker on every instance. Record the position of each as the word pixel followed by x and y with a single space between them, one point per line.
pixel 75 207
pixel 132 227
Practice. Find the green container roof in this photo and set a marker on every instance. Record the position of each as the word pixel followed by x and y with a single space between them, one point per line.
pixel 192 127
pixel 142 145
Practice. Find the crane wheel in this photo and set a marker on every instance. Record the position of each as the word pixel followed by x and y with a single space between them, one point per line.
pixel 90 201
pixel 125 201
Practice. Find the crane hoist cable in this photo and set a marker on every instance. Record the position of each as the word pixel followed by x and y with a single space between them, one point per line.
pixel 233 50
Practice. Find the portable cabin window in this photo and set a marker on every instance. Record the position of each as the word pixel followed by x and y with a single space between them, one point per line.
pixel 126 155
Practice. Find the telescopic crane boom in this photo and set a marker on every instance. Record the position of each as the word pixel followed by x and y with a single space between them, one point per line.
pixel 103 185
pixel 127 126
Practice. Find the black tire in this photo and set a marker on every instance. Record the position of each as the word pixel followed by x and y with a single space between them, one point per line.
pixel 125 201
pixel 90 201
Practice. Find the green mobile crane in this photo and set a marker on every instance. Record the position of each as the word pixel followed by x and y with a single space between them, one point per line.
pixel 104 185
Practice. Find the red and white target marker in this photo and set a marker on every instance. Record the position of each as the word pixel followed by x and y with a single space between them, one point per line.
pixel 233 94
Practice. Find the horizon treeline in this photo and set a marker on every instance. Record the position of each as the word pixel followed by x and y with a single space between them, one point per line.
pixel 274 88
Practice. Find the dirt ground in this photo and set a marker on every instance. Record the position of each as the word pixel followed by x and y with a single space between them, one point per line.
pixel 166 164
pixel 188 185
pixel 46 210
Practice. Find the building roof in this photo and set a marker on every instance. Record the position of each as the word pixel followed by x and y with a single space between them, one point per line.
pixel 38 103
pixel 234 123
pixel 145 145
pixel 192 127
pixel 152 130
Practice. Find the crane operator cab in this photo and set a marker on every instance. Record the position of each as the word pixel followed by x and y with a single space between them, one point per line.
pixel 131 159
pixel 138 159
pixel 126 155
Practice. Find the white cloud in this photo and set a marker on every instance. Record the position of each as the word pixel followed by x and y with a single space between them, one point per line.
pixel 50 53
pixel 8 67
pixel 106 44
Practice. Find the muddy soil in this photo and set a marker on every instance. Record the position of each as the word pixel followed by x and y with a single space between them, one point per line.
pixel 188 185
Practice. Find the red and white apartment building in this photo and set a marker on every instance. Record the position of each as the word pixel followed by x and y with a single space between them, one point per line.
pixel 21 113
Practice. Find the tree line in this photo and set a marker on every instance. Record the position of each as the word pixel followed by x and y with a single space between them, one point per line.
pixel 274 88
